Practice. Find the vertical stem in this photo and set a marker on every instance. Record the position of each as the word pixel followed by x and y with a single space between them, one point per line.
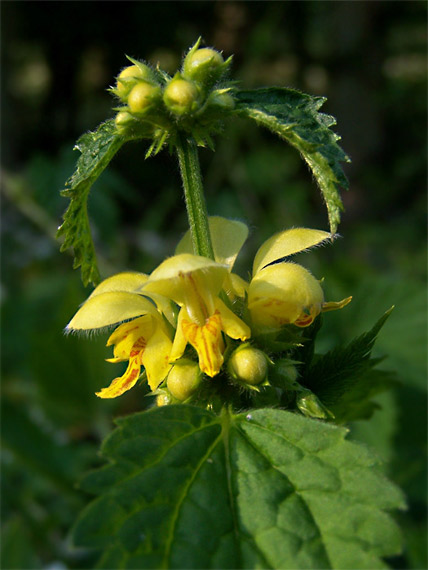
pixel 194 196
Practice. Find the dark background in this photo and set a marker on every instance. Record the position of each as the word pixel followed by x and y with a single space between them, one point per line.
pixel 58 59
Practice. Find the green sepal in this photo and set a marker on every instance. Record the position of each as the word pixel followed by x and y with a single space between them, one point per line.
pixel 295 118
pixel 97 150
pixel 158 142
pixel 185 488
pixel 205 76
pixel 144 66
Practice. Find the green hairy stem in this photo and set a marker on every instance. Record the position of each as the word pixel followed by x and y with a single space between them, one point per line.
pixel 194 196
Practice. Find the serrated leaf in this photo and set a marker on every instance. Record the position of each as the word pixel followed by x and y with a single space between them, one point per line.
pixel 295 118
pixel 187 489
pixel 97 150
pixel 344 378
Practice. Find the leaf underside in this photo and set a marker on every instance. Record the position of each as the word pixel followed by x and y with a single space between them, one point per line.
pixel 271 489
pixel 97 150
pixel 294 116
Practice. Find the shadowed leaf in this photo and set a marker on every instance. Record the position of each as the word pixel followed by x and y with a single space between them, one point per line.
pixel 97 150
pixel 294 116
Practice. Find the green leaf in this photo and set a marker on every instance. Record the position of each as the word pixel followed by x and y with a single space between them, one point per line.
pixel 97 150
pixel 295 118
pixel 344 378
pixel 404 338
pixel 269 489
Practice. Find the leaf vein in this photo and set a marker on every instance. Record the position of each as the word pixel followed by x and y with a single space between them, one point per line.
pixel 284 476
pixel 179 502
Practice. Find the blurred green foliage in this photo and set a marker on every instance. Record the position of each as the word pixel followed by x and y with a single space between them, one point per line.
pixel 368 58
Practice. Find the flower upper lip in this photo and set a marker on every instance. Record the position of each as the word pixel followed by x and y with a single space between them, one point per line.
pixel 195 282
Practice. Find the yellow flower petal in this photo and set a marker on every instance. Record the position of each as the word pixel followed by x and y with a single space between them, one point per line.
pixel 207 341
pixel 129 281
pixel 108 309
pixel 156 357
pixel 128 335
pixel 231 324
pixel 306 317
pixel 166 279
pixel 334 305
pixel 284 293
pixel 164 306
pixel 235 286
pixel 180 341
pixel 227 237
pixel 122 383
pixel 191 281
pixel 286 243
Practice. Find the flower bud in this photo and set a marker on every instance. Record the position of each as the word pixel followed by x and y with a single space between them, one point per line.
pixel 184 379
pixel 129 76
pixel 203 65
pixel 141 96
pixel 123 120
pixel 311 406
pixel 163 399
pixel 181 96
pixel 286 370
pixel 222 99
pixel 248 365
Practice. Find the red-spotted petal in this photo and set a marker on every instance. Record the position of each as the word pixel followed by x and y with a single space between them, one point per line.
pixel 122 383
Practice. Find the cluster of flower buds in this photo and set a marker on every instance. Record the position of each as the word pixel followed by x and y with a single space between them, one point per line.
pixel 155 104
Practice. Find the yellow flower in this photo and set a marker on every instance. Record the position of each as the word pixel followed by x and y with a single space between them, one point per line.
pixel 282 292
pixel 143 341
pixel 194 283
pixel 228 237
pixel 279 293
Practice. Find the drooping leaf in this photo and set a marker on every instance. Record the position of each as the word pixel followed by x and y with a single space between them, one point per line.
pixel 344 378
pixel 97 150
pixel 187 489
pixel 295 117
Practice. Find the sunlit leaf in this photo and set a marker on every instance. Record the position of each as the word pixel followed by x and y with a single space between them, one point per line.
pixel 270 489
